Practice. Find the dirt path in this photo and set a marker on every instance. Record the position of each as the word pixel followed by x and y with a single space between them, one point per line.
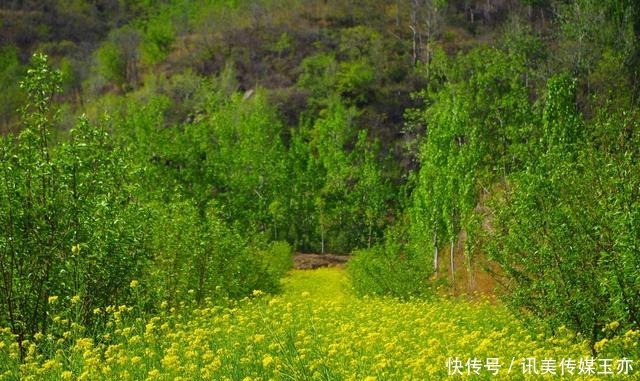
pixel 304 261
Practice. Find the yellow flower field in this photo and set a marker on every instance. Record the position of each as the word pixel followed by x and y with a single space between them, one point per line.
pixel 315 330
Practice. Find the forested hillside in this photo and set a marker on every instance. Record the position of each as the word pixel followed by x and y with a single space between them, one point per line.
pixel 177 152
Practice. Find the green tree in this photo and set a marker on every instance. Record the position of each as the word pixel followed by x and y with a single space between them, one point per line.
pixel 476 127
pixel 329 138
pixel 157 39
pixel 563 227
pixel 370 196
pixel 305 181
pixel 30 244
pixel 111 63
pixel 117 59
pixel 343 176
pixel 243 154
pixel 318 77
pixel 69 226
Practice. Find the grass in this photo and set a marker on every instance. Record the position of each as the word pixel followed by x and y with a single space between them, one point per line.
pixel 315 330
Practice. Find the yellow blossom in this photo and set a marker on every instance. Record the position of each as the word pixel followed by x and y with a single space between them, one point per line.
pixel 267 360
pixel 612 326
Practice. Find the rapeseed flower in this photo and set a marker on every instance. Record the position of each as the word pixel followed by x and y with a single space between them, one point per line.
pixel 300 333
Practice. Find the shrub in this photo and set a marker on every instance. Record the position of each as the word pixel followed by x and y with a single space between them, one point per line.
pixel 68 224
pixel 565 230
pixel 278 258
pixel 199 258
pixel 177 245
pixel 390 269
pixel 373 271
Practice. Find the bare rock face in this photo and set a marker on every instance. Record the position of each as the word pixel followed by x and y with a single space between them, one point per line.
pixel 313 261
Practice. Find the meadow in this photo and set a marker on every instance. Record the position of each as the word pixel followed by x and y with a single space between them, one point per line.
pixel 317 329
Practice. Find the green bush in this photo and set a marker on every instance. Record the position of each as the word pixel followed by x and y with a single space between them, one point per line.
pixel 198 258
pixel 177 245
pixel 574 207
pixel 278 258
pixel 391 269
pixel 158 37
pixel 233 260
pixel 376 272
pixel 69 226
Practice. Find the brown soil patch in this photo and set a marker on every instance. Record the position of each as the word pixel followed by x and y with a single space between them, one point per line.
pixel 303 261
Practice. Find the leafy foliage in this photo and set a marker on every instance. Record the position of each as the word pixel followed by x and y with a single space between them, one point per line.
pixel 77 224
pixel 567 212
pixel 65 231
pixel 386 269
pixel 206 181
pixel 349 194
